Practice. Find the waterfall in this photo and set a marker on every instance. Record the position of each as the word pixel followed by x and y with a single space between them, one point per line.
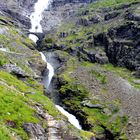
pixel 36 18
pixel 51 70
pixel 71 118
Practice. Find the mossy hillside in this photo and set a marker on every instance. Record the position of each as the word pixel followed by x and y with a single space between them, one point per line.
pixel 19 98
pixel 14 110
pixel 73 93
pixel 120 71
pixel 3 59
pixel 18 49
pixel 17 109
pixel 124 73
pixel 95 117
pixel 109 3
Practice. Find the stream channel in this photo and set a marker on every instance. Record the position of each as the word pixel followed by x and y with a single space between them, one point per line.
pixel 36 18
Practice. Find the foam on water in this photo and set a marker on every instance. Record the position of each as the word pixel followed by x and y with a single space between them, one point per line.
pixel 72 119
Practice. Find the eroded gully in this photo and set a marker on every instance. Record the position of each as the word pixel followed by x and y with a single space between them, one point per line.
pixel 35 18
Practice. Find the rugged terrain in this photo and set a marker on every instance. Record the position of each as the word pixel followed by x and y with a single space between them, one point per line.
pixel 94 48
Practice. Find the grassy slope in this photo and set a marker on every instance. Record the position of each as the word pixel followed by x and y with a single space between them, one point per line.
pixel 16 98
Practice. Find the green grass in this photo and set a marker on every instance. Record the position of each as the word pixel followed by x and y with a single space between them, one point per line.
pixel 109 3
pixel 15 107
pixel 70 67
pixel 101 77
pixel 4 133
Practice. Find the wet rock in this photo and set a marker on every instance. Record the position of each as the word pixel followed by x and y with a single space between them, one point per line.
pixel 35 131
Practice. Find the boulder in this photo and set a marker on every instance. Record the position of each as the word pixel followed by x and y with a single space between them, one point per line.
pixel 101 58
pixel 14 69
pixel 88 104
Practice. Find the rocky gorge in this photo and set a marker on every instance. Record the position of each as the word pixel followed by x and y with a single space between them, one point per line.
pixel 93 47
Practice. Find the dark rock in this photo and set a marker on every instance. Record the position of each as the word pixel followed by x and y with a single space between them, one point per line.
pixel 83 21
pixel 95 19
pixel 17 16
pixel 137 73
pixel 111 15
pixel 63 35
pixel 124 49
pixel 131 16
pixel 11 123
pixel 89 20
pixel 100 39
pixel 126 31
pixel 101 58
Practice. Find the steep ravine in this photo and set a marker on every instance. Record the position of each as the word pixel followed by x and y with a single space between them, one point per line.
pixel 87 84
pixel 86 61
pixel 36 27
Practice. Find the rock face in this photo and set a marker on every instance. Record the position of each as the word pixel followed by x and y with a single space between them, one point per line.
pixel 60 11
pixel 103 36
pixel 18 10
pixel 123 48
pixel 117 44
pixel 15 70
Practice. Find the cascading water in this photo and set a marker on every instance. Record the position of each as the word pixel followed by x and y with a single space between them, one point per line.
pixel 36 18
pixel 72 119
pixel 51 71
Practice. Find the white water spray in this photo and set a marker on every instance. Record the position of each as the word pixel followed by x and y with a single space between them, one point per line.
pixel 72 119
pixel 50 68
pixel 36 18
